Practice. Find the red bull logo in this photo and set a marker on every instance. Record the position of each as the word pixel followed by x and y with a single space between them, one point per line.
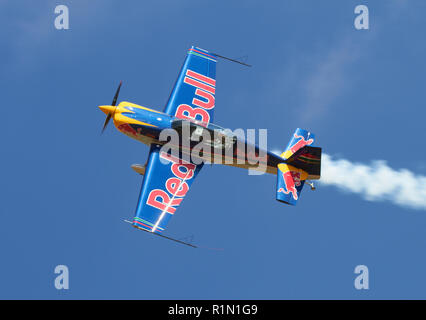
pixel 203 100
pixel 301 143
pixel 291 181
pixel 176 186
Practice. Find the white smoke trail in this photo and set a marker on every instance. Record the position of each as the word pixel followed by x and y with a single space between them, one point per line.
pixel 375 182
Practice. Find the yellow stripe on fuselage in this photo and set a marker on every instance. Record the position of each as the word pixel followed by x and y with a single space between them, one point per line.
pixel 133 105
pixel 119 118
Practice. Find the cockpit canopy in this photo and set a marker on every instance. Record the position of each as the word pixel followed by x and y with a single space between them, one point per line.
pixel 218 137
pixel 177 124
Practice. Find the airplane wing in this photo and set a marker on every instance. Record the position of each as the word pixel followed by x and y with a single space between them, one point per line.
pixel 193 96
pixel 166 181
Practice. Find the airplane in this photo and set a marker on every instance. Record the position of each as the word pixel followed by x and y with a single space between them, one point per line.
pixel 168 174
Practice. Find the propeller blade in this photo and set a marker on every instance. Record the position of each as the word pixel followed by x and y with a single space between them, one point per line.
pixel 114 101
pixel 105 108
pixel 106 122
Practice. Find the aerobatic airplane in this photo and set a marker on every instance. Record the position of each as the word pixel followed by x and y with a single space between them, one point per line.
pixel 168 177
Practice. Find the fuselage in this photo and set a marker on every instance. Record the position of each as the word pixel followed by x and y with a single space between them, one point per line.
pixel 145 125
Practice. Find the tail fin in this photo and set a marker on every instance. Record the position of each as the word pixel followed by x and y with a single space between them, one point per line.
pixel 301 161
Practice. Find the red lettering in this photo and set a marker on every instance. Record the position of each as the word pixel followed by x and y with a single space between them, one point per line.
pixel 201 77
pixel 165 203
pixel 185 111
pixel 209 104
pixel 177 187
pixel 188 174
pixel 178 165
pixel 199 84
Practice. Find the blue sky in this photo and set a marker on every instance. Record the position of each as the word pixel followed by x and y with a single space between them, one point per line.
pixel 65 188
